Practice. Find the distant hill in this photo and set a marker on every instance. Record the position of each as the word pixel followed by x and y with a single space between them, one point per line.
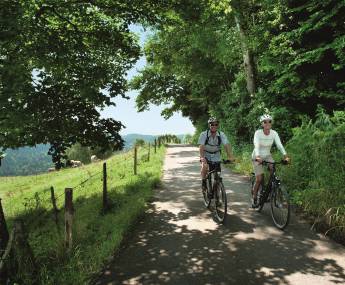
pixel 34 160
pixel 26 161
pixel 131 138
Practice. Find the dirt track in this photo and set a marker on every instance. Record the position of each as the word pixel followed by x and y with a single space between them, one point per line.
pixel 179 243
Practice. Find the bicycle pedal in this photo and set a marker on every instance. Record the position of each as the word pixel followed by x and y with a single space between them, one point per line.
pixel 255 206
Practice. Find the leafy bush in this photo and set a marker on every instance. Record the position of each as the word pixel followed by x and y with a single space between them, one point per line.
pixel 317 173
pixel 84 153
pixel 139 142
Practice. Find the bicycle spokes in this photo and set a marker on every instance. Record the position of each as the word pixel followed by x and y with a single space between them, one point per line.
pixel 220 203
pixel 280 207
pixel 205 194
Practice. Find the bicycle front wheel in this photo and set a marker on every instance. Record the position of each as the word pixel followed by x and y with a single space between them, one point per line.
pixel 205 191
pixel 280 207
pixel 221 202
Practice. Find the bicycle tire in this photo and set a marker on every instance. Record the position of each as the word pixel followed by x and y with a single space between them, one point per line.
pixel 221 202
pixel 280 207
pixel 207 200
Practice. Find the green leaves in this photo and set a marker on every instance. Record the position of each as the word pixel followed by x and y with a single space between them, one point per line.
pixel 61 62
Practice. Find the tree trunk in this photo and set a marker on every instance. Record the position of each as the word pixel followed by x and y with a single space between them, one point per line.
pixel 248 58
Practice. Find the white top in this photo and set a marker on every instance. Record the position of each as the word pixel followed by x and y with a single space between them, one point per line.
pixel 263 143
pixel 212 152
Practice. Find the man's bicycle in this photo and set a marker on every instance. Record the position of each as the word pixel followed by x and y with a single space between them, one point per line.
pixel 275 193
pixel 215 191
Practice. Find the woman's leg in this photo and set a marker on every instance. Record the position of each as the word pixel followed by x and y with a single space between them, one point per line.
pixel 259 176
pixel 258 180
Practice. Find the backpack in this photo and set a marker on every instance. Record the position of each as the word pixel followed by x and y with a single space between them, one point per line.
pixel 218 136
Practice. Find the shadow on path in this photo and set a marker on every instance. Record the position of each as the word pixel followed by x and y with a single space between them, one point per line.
pixel 178 242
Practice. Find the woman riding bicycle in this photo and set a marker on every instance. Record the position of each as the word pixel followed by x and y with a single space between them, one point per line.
pixel 263 141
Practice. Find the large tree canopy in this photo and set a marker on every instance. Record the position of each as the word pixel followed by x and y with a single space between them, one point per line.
pixel 60 63
pixel 238 59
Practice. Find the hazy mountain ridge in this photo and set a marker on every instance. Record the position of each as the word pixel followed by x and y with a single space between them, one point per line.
pixel 26 161
pixel 131 138
pixel 34 160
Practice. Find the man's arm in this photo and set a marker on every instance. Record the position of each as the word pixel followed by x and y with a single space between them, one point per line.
pixel 227 147
pixel 202 152
pixel 201 142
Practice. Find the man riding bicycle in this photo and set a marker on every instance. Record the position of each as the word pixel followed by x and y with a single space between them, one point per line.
pixel 210 142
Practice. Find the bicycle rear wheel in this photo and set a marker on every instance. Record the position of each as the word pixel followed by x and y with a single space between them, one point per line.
pixel 221 202
pixel 207 200
pixel 280 207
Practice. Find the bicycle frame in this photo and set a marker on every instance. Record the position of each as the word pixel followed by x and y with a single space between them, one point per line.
pixel 216 173
pixel 215 191
pixel 273 182
pixel 279 202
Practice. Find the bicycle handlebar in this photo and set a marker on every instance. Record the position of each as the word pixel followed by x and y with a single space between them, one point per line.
pixel 284 162
pixel 223 161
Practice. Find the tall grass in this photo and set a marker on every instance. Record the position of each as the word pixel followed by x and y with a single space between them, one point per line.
pixel 317 174
pixel 95 235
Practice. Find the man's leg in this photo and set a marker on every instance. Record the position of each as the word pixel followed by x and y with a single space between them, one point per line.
pixel 204 169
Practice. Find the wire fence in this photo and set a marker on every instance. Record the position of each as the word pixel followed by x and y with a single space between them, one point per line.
pixel 36 211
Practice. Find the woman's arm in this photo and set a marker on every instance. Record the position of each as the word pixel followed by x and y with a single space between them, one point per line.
pixel 279 144
pixel 256 144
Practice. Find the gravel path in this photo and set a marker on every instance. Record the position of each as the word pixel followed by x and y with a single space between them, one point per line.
pixel 179 243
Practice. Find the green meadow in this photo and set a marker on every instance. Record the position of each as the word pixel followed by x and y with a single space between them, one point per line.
pixel 96 235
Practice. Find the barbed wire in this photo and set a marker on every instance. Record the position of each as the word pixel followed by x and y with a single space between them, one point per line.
pixel 111 164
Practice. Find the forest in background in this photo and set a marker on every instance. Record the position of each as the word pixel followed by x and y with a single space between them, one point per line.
pixel 26 161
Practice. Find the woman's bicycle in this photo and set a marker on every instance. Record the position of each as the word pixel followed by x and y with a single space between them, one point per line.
pixel 275 193
pixel 215 191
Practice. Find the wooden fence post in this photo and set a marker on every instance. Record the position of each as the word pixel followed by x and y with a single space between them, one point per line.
pixel 3 229
pixel 105 202
pixel 5 270
pixel 155 146
pixel 27 266
pixel 69 211
pixel 135 160
pixel 55 209
pixel 148 154
pixel 4 236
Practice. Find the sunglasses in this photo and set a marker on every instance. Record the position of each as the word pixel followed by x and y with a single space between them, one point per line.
pixel 214 125
pixel 267 122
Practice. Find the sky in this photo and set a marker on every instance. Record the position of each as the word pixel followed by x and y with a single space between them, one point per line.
pixel 148 122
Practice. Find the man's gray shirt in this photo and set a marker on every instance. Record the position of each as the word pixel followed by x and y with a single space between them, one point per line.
pixel 212 145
